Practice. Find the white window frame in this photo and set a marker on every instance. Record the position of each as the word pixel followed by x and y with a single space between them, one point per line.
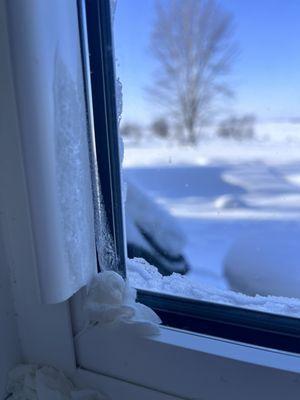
pixel 191 366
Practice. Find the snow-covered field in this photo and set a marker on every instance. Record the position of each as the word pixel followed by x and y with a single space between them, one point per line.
pixel 223 192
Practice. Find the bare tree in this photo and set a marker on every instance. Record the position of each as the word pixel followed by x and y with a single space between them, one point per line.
pixel 193 46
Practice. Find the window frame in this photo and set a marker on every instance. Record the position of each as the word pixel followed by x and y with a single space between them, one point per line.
pixel 218 320
pixel 223 321
pixel 190 366
pixel 99 77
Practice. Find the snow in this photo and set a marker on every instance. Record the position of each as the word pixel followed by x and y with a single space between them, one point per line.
pixel 141 211
pixel 145 276
pixel 229 201
pixel 224 191
pixel 33 382
pixel 265 263
pixel 112 302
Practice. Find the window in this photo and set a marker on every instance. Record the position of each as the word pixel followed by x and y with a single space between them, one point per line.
pixel 217 311
pixel 177 363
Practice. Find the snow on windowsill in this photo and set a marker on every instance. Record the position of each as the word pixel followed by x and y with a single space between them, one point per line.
pixel 111 302
pixel 37 382
pixel 142 275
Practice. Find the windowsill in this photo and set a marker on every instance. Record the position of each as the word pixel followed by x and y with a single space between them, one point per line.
pixel 184 364
pixel 228 349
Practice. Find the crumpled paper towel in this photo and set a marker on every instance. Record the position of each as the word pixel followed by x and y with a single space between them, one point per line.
pixel 111 301
pixel 33 382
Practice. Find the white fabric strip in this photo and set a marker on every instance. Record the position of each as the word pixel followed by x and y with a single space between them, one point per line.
pixel 45 50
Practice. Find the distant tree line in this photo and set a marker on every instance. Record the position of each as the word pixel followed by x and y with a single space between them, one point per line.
pixel 237 127
pixel 231 127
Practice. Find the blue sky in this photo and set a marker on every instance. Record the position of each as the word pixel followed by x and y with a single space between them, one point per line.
pixel 266 75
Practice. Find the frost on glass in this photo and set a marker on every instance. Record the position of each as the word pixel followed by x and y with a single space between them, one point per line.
pixel 106 253
pixel 104 242
pixel 73 174
pixel 105 246
pixel 108 259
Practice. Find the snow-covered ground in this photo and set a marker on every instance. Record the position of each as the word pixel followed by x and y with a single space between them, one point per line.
pixel 224 190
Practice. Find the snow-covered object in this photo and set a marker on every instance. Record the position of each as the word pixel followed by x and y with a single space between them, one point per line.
pixel 266 263
pixel 229 201
pixel 112 302
pixel 155 219
pixel 154 230
pixel 144 276
pixel 33 382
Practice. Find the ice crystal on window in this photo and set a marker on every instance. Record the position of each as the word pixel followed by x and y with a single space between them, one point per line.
pixel 73 173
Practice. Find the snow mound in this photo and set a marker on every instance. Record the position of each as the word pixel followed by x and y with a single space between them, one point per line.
pixel 266 263
pixel 111 301
pixel 294 179
pixel 145 276
pixel 229 201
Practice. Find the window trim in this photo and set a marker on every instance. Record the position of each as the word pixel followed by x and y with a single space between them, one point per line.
pixel 98 63
pixel 222 321
pixel 218 320
pixel 190 366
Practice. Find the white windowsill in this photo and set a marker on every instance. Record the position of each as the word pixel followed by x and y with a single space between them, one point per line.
pixel 229 349
pixel 187 365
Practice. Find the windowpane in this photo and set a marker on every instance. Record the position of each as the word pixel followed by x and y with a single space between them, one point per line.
pixel 211 128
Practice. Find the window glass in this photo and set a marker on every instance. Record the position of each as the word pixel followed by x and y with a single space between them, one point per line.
pixel 211 130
